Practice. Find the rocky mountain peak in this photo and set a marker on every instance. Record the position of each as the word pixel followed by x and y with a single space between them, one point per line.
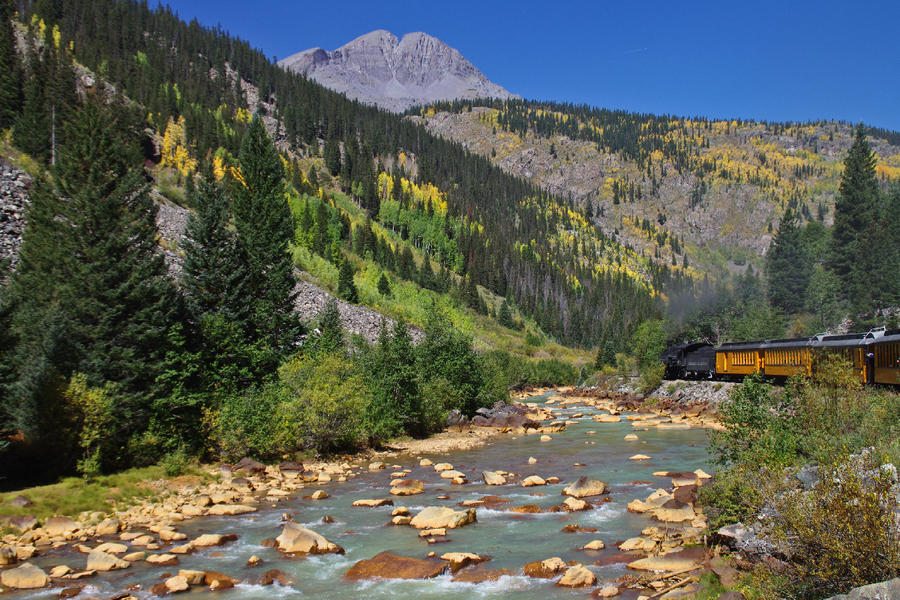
pixel 377 68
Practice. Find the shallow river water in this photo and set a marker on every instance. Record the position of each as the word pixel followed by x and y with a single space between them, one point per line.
pixel 510 539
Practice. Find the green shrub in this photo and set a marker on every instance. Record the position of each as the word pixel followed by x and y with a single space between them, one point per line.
pixel 247 424
pixel 175 463
pixel 843 533
pixel 735 494
pixel 651 377
pixel 96 407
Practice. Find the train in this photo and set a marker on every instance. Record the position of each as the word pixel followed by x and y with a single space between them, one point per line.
pixel 874 355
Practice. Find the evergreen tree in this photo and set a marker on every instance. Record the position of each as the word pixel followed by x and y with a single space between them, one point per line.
pixel 91 293
pixel 384 286
pixel 333 157
pixel 788 266
pixel 32 130
pixel 346 288
pixel 264 230
pixel 10 70
pixel 504 316
pixel 60 90
pixel 855 218
pixel 331 329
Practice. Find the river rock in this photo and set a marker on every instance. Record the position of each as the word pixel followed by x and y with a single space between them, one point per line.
pixel 248 465
pixel 7 556
pixel 545 569
pixel 594 545
pixel 60 571
pixel 319 495
pixel 24 577
pixel 60 526
pixel 400 511
pixel 610 591
pixel 546 438
pixel 629 438
pixel 112 548
pixel 109 526
pixel 295 539
pixel 607 418
pixel 274 576
pixel 440 517
pixel 177 584
pixel 23 523
pixel 391 566
pixel 425 463
pixel 674 511
pixel 369 503
pixel 639 457
pixel 532 460
pixel 452 474
pixel 102 561
pixel 460 560
pixel 409 487
pixel 135 556
pixel 218 581
pixel 440 467
pixel 584 488
pixel 213 539
pixel 376 466
pixel 574 504
pixel 639 544
pixel 532 481
pixel 676 561
pixel 192 577
pixel 493 478
pixel 480 574
pixel 163 560
pixel 230 509
pixel 577 576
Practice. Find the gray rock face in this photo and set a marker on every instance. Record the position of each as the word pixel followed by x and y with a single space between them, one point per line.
pixel 886 590
pixel 14 185
pixel 377 68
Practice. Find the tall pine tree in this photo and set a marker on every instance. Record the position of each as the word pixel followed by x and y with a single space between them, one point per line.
pixel 788 266
pixel 264 230
pixel 10 69
pixel 855 219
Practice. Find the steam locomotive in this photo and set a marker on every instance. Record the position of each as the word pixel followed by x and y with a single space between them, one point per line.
pixel 875 356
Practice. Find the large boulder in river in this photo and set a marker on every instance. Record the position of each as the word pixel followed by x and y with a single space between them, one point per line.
pixel 295 539
pixel 585 487
pixel 408 487
pixel 24 577
pixel 577 576
pixel 392 566
pixel 545 569
pixel 441 517
pixel 493 478
pixel 98 560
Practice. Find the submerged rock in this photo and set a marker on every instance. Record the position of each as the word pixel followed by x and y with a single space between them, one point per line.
pixel 392 566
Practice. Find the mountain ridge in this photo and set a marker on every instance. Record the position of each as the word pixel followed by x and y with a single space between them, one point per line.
pixel 395 74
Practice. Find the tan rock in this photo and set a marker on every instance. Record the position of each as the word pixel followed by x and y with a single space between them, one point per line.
pixel 409 487
pixel 7 556
pixel 546 438
pixel 189 510
pixel 594 545
pixel 425 463
pixel 640 544
pixel 177 584
pixel 135 556
pixel 493 478
pixel 24 577
pixel 545 569
pixel 585 488
pixel 60 571
pixel 575 504
pixel 436 517
pixel 170 535
pixel 108 526
pixel 400 511
pixel 639 457
pixel 607 591
pixel 167 560
pixel 212 539
pixel 437 532
pixel 319 495
pixel 668 563
pixel 401 520
pixel 295 539
pixel 376 466
pixel 460 560
pixel 443 467
pixel 628 438
pixel 532 481
pixel 60 526
pixel 183 549
pixel 607 418
pixel 370 503
pixel 452 474
pixel 577 576
pixel 102 561
pixel 112 548
pixel 192 577
pixel 532 460
pixel 230 509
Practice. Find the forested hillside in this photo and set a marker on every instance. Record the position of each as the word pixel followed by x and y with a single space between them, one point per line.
pixel 703 193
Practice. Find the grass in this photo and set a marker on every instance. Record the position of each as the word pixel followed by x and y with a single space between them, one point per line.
pixel 73 495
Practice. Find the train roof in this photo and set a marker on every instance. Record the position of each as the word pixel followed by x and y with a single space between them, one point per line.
pixel 738 346
pixel 888 336
pixel 787 343
pixel 847 340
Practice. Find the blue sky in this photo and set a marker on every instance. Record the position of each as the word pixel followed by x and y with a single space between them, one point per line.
pixel 781 60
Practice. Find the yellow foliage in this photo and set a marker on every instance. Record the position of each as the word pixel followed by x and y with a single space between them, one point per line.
pixel 57 36
pixel 175 152
pixel 218 167
pixel 242 115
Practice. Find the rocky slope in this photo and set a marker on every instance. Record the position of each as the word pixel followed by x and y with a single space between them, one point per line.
pixel 377 68
pixel 14 186
pixel 756 170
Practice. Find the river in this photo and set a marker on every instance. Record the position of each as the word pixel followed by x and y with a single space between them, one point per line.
pixel 510 539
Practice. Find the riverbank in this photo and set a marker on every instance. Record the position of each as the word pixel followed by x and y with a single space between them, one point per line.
pixel 249 489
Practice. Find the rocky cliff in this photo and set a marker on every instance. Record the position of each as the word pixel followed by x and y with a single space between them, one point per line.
pixel 377 68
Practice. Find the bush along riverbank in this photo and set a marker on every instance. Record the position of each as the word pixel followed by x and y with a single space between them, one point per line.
pixel 807 495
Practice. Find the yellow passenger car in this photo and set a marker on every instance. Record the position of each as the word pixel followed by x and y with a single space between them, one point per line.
pixel 850 346
pixel 739 359
pixel 886 359
pixel 786 358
